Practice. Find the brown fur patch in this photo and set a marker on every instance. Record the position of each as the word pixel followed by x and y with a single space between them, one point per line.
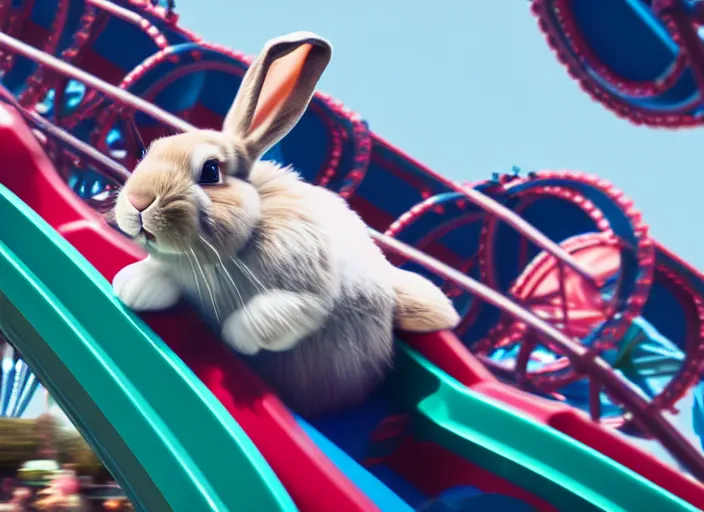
pixel 420 305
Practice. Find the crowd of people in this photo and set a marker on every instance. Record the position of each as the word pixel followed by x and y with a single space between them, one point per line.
pixel 61 493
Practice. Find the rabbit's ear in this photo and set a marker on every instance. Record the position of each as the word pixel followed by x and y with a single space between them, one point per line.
pixel 276 90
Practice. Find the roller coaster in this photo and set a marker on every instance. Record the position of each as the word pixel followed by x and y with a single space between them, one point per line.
pixel 580 333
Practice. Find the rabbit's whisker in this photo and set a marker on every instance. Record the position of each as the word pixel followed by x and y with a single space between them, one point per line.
pixel 207 285
pixel 196 280
pixel 248 273
pixel 222 266
pixel 243 304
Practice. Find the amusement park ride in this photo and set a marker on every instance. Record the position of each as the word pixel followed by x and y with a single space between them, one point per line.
pixel 580 333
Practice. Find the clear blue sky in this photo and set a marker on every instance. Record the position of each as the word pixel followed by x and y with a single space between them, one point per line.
pixel 470 88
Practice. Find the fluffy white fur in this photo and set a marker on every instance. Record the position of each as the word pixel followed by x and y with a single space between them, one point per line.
pixel 275 320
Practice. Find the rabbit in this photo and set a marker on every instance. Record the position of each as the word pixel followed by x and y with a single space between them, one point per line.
pixel 284 270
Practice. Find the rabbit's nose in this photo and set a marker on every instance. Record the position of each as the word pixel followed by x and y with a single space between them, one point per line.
pixel 140 201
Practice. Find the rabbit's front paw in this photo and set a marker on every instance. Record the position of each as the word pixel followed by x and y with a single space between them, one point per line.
pixel 238 332
pixel 145 286
pixel 275 320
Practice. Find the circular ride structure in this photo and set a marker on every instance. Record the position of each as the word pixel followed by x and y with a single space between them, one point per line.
pixel 564 296
pixel 643 60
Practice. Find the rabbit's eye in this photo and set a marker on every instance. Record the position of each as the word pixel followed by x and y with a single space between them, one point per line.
pixel 210 173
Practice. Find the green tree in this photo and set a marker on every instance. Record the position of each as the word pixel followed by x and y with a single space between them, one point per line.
pixel 22 440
